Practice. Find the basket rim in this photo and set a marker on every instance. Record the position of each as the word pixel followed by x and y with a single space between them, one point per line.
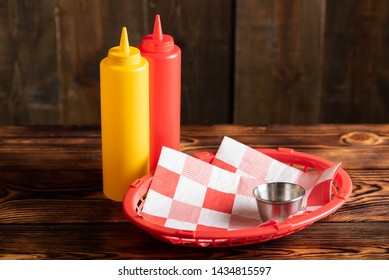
pixel 277 229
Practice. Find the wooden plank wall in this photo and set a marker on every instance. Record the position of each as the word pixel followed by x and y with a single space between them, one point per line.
pixel 244 61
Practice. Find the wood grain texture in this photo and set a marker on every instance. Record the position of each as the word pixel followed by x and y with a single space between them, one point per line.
pixel 244 62
pixel 52 206
pixel 311 62
pixel 354 70
pixel 124 241
pixel 88 29
pixel 278 61
pixel 28 70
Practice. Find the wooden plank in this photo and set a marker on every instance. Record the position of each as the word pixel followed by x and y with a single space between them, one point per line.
pixel 64 164
pixel 254 58
pixel 88 29
pixel 338 144
pixel 204 32
pixel 355 72
pixel 54 131
pixel 302 130
pixel 125 241
pixel 278 61
pixel 7 56
pixel 37 196
pixel 79 61
pixel 56 209
pixel 28 67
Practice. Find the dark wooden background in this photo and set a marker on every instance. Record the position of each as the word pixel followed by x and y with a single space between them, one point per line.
pixel 244 61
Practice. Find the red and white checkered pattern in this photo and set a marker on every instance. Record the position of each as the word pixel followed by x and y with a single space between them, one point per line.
pixel 241 159
pixel 190 194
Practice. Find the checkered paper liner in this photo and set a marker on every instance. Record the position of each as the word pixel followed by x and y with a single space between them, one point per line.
pixel 246 161
pixel 189 194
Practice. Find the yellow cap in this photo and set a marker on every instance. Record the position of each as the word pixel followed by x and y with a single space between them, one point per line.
pixel 124 54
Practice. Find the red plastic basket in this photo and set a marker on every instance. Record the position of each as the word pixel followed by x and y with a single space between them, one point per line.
pixel 341 191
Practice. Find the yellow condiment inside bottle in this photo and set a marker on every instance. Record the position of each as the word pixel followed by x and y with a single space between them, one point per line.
pixel 124 93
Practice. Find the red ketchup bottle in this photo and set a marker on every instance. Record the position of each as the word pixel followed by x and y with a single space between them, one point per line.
pixel 164 59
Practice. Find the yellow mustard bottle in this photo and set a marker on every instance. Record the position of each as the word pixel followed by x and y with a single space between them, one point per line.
pixel 124 96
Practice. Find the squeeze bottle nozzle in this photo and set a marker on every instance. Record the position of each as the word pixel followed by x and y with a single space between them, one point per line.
pixel 124 45
pixel 157 32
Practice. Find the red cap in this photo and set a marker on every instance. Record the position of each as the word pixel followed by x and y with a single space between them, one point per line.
pixel 157 42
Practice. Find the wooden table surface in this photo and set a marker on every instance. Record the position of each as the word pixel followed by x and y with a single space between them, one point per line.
pixel 52 205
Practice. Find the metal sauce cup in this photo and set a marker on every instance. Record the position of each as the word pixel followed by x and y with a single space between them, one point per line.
pixel 278 200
